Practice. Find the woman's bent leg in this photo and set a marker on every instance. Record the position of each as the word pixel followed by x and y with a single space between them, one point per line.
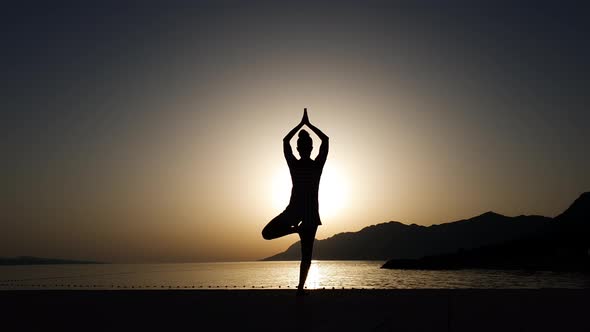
pixel 281 225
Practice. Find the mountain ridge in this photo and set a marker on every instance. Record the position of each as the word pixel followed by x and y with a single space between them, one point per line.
pixel 565 246
pixel 396 240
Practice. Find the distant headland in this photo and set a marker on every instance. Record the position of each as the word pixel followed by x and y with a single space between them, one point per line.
pixel 30 260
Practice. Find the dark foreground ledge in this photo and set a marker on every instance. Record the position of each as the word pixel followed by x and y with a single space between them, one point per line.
pixel 281 310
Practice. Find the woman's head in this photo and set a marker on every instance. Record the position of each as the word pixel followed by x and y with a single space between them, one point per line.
pixel 304 144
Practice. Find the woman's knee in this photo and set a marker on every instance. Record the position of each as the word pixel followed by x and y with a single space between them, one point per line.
pixel 267 233
pixel 273 231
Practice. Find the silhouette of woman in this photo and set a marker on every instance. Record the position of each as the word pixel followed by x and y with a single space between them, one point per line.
pixel 301 215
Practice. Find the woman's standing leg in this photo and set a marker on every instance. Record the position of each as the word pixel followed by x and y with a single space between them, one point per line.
pixel 307 235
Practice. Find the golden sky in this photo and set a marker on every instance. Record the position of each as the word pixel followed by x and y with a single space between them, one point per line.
pixel 155 134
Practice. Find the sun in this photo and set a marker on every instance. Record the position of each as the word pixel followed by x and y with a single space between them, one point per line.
pixel 333 192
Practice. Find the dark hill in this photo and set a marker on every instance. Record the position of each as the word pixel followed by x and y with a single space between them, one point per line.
pixel 563 246
pixel 579 210
pixel 397 240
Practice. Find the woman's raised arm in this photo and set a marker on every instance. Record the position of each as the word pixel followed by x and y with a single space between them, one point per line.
pixel 287 142
pixel 324 147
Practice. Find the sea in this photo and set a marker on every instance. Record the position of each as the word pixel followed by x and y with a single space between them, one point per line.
pixel 273 275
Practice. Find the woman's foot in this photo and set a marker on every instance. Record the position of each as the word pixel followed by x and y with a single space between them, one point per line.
pixel 301 292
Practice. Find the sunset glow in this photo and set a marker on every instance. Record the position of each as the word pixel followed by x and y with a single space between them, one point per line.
pixel 147 134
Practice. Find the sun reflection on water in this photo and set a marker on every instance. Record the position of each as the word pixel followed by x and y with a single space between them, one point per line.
pixel 314 276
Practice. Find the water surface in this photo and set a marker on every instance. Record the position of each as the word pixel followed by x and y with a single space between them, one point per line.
pixel 271 275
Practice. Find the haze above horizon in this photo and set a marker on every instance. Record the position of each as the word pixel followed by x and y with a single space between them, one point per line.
pixel 152 134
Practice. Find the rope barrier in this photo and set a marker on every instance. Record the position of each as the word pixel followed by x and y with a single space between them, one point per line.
pixel 124 286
